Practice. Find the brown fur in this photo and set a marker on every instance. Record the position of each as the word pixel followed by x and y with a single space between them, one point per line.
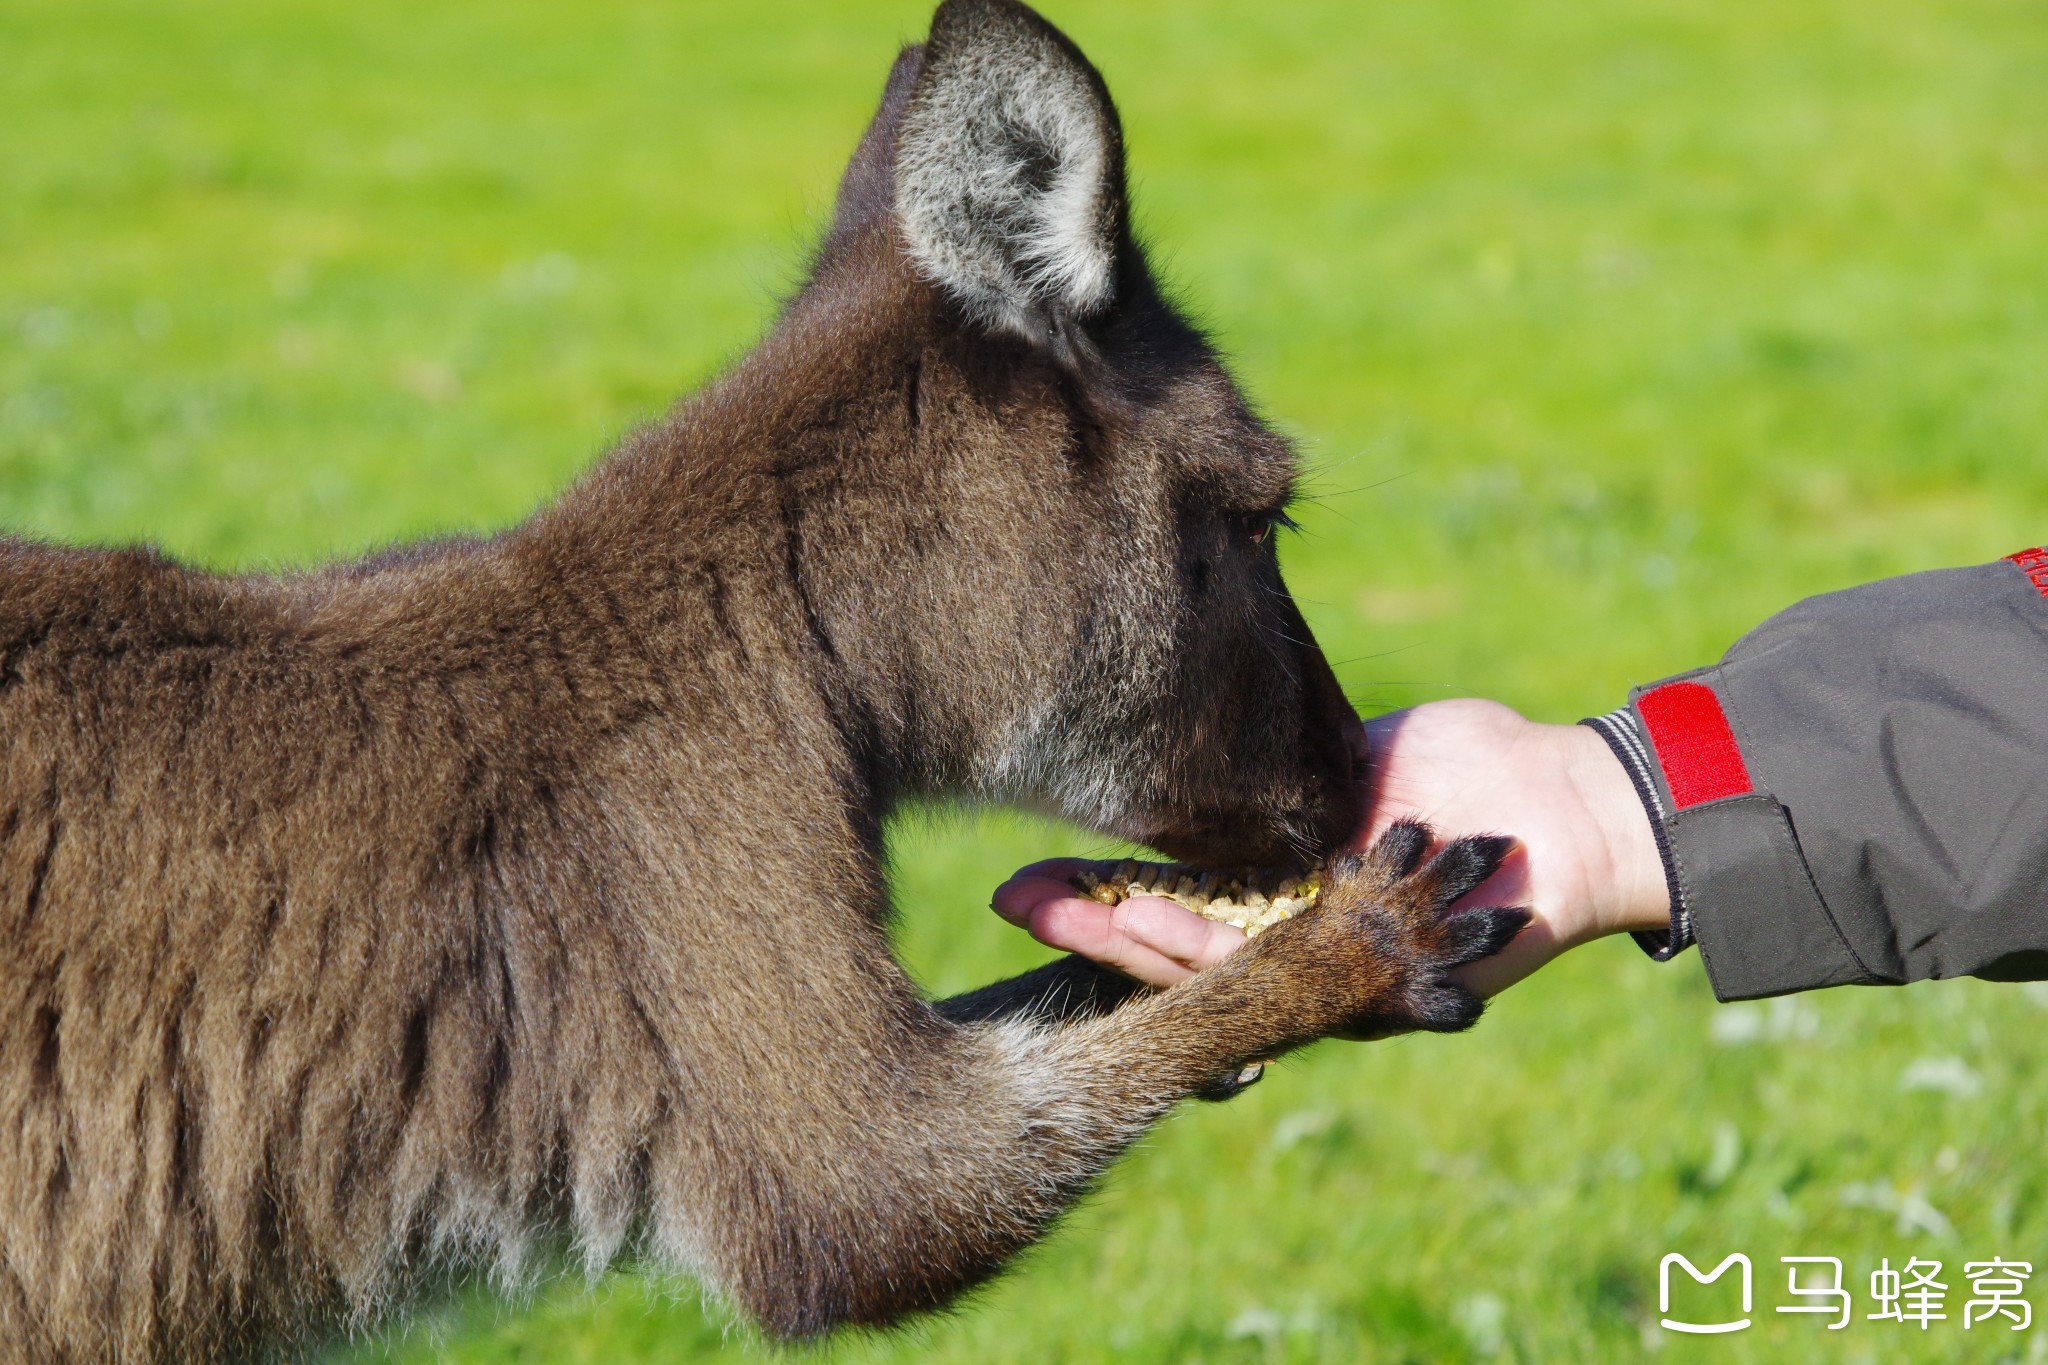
pixel 499 899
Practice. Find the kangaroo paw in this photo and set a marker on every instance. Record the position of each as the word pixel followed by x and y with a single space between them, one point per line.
pixel 1373 957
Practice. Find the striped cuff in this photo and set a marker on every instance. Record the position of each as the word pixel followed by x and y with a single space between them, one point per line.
pixel 1625 738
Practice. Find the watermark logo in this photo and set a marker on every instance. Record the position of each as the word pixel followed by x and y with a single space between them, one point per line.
pixel 1912 1295
pixel 1701 1328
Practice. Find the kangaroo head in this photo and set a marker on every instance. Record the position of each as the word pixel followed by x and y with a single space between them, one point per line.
pixel 1048 569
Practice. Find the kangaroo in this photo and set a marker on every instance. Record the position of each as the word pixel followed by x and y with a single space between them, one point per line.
pixel 497 902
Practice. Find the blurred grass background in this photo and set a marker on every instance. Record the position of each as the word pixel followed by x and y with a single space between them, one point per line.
pixel 1610 328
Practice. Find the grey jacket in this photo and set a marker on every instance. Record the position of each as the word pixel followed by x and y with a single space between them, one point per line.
pixel 1858 791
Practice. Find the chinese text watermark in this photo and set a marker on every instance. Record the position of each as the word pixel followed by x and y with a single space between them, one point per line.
pixel 1915 1294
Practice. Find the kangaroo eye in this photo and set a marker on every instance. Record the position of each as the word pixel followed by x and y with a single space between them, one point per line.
pixel 1264 524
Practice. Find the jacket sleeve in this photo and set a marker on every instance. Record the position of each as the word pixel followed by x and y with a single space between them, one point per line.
pixel 1858 791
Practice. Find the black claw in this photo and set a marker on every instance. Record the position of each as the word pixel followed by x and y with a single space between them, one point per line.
pixel 1465 863
pixel 1444 1008
pixel 1472 934
pixel 1230 1086
pixel 1402 846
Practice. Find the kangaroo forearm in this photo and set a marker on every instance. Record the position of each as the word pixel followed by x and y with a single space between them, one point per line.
pixel 1062 991
pixel 1006 1130
pixel 1053 1100
pixel 1045 1081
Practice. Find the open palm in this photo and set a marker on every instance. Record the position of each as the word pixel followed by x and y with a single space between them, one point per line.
pixel 1587 864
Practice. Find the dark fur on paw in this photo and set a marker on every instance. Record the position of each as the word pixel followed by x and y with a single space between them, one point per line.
pixel 1438 939
pixel 1385 932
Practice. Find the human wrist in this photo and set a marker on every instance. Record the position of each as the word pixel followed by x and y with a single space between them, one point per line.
pixel 1628 890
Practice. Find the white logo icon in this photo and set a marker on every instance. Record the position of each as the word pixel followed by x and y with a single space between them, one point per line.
pixel 1701 1328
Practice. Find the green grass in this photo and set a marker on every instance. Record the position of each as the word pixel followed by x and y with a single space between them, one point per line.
pixel 1610 328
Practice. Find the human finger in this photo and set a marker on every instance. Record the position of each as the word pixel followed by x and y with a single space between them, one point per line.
pixel 1030 887
pixel 1098 933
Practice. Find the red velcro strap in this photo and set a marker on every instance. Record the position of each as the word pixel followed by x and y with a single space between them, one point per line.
pixel 1693 741
pixel 2034 564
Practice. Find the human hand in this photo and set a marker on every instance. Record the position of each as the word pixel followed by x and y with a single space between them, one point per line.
pixel 1587 865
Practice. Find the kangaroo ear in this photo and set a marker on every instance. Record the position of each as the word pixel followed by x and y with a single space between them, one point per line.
pixel 1009 171
pixel 868 188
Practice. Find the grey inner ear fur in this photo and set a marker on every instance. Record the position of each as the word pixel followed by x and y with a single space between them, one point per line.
pixel 1009 171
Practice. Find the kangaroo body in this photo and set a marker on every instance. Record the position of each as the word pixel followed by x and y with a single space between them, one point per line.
pixel 494 900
